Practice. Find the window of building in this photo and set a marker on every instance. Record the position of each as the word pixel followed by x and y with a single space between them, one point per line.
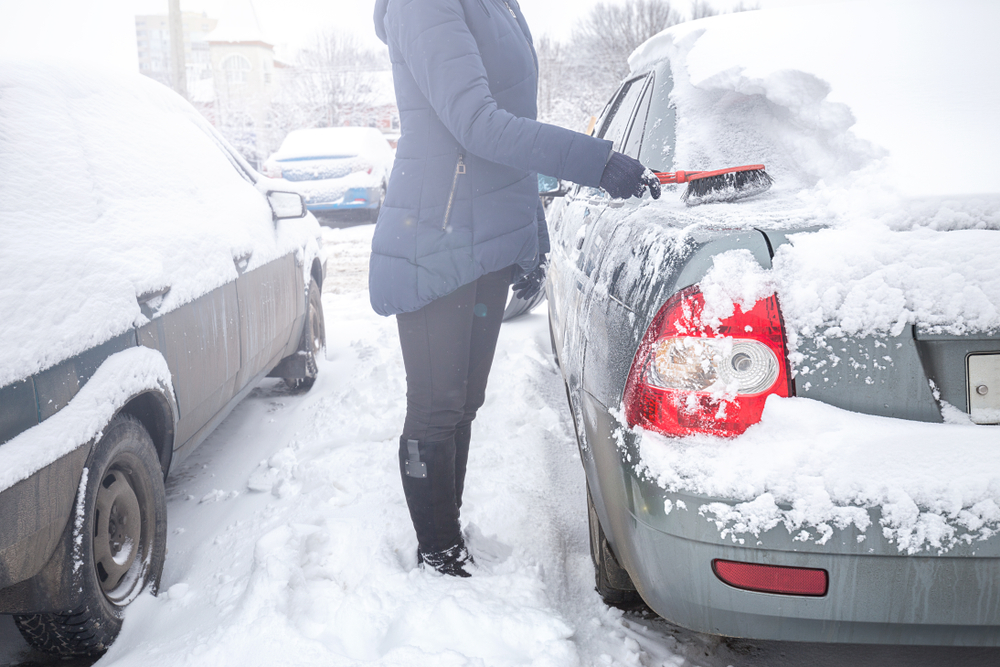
pixel 236 68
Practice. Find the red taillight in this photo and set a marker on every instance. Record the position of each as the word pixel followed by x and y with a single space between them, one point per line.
pixel 772 578
pixel 688 377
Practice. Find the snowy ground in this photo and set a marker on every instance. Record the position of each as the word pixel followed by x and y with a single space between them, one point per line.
pixel 290 543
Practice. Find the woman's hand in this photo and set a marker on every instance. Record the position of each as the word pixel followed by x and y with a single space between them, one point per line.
pixel 625 177
pixel 530 283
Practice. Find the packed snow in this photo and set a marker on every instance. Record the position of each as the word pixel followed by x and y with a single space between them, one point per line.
pixel 290 542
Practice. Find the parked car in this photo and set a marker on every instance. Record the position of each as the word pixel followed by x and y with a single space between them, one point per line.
pixel 787 406
pixel 151 278
pixel 337 169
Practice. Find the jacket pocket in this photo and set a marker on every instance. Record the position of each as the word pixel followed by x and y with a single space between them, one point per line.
pixel 459 170
pixel 482 3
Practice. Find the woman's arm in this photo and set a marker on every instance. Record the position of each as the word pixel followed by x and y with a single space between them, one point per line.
pixel 443 57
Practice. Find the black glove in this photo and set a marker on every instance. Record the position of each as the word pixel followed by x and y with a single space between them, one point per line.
pixel 530 283
pixel 625 177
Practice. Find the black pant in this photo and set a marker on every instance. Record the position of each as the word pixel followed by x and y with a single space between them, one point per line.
pixel 448 348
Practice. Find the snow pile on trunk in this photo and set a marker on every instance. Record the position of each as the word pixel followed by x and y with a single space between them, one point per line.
pixel 867 280
pixel 812 467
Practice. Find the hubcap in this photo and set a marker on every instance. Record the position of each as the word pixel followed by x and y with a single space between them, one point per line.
pixel 117 530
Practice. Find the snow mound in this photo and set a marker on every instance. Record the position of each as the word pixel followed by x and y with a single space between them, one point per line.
pixel 799 469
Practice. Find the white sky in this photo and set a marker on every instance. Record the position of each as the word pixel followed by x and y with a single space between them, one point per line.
pixel 104 30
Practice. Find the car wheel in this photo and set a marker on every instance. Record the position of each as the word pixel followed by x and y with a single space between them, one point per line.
pixel 612 581
pixel 313 339
pixel 517 306
pixel 120 537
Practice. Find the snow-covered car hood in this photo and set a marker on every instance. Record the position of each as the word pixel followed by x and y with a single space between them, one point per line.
pixel 112 187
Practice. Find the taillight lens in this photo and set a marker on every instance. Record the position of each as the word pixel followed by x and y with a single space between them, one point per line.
pixel 772 578
pixel 689 377
pixel 362 166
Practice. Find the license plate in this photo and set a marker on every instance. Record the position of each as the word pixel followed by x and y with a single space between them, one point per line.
pixel 984 388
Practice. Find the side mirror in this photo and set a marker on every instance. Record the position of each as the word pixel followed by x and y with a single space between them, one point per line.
pixel 286 205
pixel 550 186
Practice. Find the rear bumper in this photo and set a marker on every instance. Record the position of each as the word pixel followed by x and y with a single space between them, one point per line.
pixel 871 599
pixel 876 594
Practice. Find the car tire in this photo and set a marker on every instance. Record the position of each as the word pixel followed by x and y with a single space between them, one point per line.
pixel 516 306
pixel 612 582
pixel 123 504
pixel 313 339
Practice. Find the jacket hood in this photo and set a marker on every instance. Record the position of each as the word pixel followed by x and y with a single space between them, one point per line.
pixel 381 6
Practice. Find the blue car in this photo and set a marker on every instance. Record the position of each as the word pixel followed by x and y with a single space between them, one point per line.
pixel 336 169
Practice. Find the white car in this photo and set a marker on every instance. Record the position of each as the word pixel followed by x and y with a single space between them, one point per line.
pixel 151 278
pixel 337 169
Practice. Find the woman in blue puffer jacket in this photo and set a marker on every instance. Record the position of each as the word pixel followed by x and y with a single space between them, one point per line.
pixel 460 222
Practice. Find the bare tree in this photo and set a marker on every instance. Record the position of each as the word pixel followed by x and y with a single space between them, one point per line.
pixel 334 75
pixel 577 78
pixel 613 30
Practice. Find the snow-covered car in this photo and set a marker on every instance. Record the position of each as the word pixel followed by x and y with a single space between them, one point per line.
pixel 337 169
pixel 151 278
pixel 787 406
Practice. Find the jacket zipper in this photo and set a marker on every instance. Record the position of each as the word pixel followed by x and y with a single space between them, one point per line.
pixel 510 10
pixel 459 170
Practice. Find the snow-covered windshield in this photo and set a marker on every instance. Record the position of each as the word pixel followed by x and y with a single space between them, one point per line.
pixel 817 93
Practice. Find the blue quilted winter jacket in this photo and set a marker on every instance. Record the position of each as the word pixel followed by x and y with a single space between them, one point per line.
pixel 462 199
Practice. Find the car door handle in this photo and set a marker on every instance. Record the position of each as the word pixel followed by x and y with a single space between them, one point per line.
pixel 242 261
pixel 151 301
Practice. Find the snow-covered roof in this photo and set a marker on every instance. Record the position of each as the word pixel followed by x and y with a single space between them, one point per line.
pixel 239 24
pixel 850 83
pixel 331 142
pixel 114 187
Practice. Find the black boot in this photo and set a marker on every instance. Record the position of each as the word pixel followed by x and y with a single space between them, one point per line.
pixel 452 561
pixel 428 474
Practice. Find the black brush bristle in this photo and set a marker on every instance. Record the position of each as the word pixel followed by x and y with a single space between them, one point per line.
pixel 727 187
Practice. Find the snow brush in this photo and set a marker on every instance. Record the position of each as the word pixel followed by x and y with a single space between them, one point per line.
pixel 730 184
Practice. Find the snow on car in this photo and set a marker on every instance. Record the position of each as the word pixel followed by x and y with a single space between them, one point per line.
pixel 787 406
pixel 151 278
pixel 337 169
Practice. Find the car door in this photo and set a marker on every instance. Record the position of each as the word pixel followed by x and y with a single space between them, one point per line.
pixel 581 234
pixel 220 343
pixel 271 305
pixel 201 344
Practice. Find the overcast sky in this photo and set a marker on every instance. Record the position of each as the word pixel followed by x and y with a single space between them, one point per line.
pixel 104 30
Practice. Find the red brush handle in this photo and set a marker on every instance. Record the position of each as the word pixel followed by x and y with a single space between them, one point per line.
pixel 667 177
